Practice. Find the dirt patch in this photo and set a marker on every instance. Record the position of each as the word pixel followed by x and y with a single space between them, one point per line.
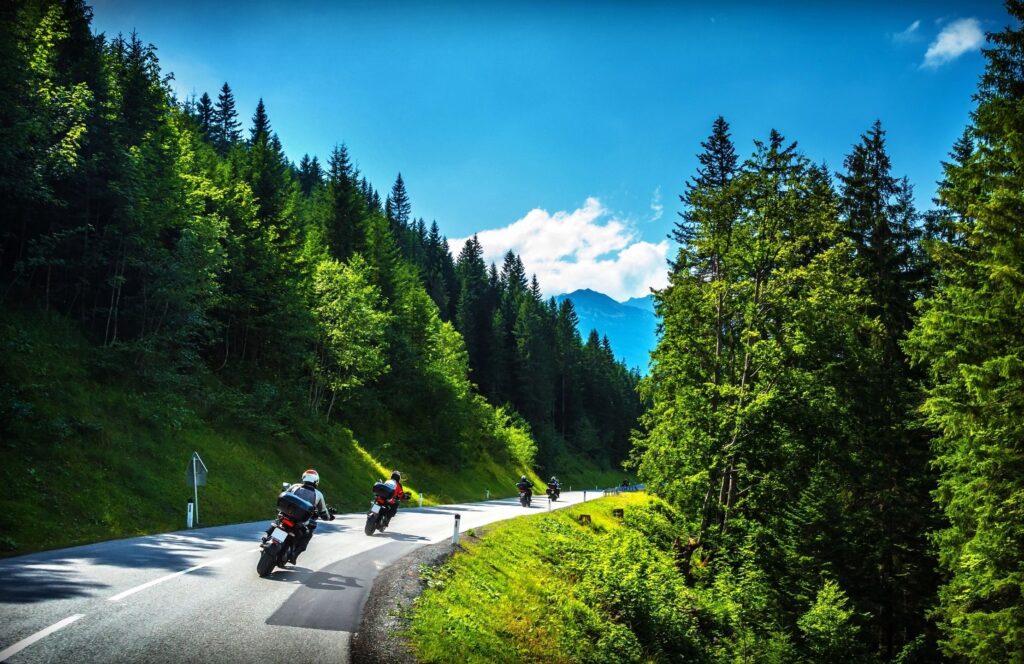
pixel 389 607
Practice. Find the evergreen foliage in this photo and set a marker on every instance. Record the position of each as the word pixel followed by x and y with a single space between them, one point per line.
pixel 781 405
pixel 207 265
pixel 970 339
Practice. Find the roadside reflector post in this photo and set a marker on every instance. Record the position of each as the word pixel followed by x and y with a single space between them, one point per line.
pixel 455 535
pixel 421 500
pixel 549 503
pixel 487 494
pixel 189 512
pixel 584 495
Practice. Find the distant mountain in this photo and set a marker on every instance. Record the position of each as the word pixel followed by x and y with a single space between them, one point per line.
pixel 630 326
pixel 646 302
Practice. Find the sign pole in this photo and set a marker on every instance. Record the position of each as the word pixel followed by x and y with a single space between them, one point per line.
pixel 195 486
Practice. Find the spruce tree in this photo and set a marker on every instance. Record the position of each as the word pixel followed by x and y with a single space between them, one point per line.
pixel 205 116
pixel 893 582
pixel 399 208
pixel 970 339
pixel 226 126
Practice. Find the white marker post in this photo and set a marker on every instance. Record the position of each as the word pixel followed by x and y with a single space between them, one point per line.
pixel 421 500
pixel 188 518
pixel 455 535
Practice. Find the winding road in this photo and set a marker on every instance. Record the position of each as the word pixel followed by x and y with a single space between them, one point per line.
pixel 194 596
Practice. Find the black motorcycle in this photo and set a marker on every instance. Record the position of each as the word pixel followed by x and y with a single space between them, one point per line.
pixel 379 516
pixel 553 491
pixel 278 547
pixel 525 495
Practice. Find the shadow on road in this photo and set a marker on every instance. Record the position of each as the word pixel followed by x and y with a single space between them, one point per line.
pixel 28 585
pixel 61 574
pixel 402 537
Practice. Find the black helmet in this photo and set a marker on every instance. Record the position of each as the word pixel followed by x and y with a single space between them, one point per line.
pixel 396 476
pixel 523 478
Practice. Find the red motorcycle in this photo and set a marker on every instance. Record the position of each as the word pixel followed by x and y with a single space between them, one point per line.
pixel 382 507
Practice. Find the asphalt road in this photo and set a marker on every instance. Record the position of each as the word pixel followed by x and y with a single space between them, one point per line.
pixel 194 596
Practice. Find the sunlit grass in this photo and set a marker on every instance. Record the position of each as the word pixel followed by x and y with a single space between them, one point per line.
pixel 505 598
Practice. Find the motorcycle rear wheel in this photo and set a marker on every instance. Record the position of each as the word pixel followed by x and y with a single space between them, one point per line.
pixel 267 560
pixel 371 524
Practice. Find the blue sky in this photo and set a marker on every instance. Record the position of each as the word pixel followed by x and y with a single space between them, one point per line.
pixel 565 131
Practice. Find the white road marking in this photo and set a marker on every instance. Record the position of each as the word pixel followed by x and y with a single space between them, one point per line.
pixel 26 642
pixel 132 591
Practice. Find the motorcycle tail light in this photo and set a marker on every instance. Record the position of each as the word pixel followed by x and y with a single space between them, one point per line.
pixel 287 522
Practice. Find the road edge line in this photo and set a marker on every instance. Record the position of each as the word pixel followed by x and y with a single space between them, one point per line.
pixel 14 649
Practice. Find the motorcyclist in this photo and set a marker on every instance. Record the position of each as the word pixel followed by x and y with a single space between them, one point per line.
pixel 525 486
pixel 553 486
pixel 308 491
pixel 395 484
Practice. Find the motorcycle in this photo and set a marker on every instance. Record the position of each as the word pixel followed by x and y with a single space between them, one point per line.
pixel 525 496
pixel 554 491
pixel 278 548
pixel 379 516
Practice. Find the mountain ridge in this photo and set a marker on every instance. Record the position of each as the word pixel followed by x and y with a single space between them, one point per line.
pixel 631 326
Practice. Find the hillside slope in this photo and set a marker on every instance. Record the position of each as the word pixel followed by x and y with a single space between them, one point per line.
pixel 87 458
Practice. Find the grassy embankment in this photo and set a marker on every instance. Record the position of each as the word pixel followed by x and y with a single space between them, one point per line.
pixel 89 458
pixel 550 589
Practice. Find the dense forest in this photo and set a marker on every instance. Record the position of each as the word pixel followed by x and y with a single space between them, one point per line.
pixel 199 260
pixel 837 404
pixel 834 413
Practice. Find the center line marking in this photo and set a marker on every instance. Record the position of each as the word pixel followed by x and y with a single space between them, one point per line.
pixel 43 633
pixel 132 591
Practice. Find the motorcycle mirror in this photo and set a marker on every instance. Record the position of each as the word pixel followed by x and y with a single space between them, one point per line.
pixel 284 486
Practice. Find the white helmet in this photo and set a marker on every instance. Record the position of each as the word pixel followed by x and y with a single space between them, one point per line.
pixel 311 477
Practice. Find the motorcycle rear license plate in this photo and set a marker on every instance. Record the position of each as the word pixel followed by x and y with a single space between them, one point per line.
pixel 279 535
pixel 375 509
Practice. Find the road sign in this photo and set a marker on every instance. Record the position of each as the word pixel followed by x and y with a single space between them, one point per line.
pixel 195 471
pixel 195 477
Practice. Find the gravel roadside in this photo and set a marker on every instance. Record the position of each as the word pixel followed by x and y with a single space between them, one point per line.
pixel 388 607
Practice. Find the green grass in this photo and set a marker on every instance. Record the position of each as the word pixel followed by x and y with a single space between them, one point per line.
pixel 88 458
pixel 512 596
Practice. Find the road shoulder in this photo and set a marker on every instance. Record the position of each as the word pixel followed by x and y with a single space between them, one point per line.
pixel 388 608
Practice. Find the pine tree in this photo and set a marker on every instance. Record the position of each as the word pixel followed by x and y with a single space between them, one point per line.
pixel 310 174
pixel 205 117
pixel 398 206
pixel 226 127
pixel 880 219
pixel 346 230
pixel 969 337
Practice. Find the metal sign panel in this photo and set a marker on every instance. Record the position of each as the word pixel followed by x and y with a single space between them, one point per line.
pixel 195 472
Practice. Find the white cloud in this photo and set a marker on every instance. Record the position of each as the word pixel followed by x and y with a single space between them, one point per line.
pixel 957 38
pixel 657 209
pixel 585 248
pixel 909 35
